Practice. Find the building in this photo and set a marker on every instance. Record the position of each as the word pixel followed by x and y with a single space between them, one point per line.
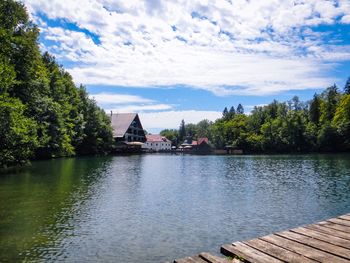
pixel 201 146
pixel 128 132
pixel 156 142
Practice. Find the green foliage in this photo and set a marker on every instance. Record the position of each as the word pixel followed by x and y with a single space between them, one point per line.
pixel 315 110
pixel 182 131
pixel 18 135
pixel 322 125
pixel 341 120
pixel 97 132
pixel 172 135
pixel 7 76
pixel 41 106
pixel 224 112
pixel 240 109
pixel 347 87
pixel 330 100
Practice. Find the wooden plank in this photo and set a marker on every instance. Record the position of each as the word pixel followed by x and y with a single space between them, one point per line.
pixel 322 236
pixel 303 249
pixel 248 253
pixel 321 245
pixel 345 217
pixel 278 252
pixel 339 221
pixel 194 259
pixel 335 226
pixel 215 259
pixel 329 231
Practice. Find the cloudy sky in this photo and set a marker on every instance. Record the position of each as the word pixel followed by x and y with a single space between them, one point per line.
pixel 181 59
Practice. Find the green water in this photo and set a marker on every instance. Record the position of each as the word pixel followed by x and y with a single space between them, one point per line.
pixel 154 208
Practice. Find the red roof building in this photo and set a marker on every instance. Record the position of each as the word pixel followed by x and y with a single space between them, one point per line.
pixel 156 142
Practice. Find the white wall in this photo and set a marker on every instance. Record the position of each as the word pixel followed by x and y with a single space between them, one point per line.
pixel 158 146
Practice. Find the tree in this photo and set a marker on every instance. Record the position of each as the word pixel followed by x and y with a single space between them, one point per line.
pixel 18 137
pixel 191 130
pixel 203 128
pixel 225 112
pixel 341 121
pixel 7 76
pixel 240 109
pixel 330 100
pixel 231 113
pixel 97 133
pixel 296 103
pixel 172 135
pixel 182 131
pixel 64 119
pixel 347 87
pixel 315 109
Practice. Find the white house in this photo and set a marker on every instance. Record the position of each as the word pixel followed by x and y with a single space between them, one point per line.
pixel 157 143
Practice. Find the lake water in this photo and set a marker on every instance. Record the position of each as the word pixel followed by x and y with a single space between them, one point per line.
pixel 153 208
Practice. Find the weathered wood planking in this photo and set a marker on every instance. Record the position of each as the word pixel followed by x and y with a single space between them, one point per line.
pixel 326 241
pixel 206 258
pixel 277 251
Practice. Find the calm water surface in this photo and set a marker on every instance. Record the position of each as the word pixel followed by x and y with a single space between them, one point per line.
pixel 154 208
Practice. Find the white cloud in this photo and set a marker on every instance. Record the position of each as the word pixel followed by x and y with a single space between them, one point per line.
pixel 113 98
pixel 141 108
pixel 345 19
pixel 156 121
pixel 226 47
pixel 128 103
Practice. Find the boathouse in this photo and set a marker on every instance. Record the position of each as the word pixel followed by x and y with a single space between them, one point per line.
pixel 128 132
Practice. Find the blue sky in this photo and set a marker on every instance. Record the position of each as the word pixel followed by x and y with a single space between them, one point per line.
pixel 173 60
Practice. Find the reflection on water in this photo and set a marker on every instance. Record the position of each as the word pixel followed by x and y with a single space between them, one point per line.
pixel 154 208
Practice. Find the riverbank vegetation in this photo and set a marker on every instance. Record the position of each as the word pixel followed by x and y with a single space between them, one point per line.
pixel 43 114
pixel 319 125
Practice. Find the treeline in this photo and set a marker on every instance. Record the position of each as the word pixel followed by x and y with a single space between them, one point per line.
pixel 42 113
pixel 319 125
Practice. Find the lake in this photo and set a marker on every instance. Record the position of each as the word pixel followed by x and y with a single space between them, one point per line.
pixel 153 208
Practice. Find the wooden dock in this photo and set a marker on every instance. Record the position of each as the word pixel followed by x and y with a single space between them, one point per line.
pixel 327 241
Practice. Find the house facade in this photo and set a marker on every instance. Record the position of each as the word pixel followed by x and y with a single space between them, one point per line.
pixel 128 132
pixel 157 143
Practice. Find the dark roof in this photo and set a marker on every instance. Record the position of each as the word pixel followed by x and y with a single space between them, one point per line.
pixel 121 122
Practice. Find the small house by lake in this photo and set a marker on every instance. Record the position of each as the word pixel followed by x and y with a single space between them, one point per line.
pixel 128 132
pixel 200 146
pixel 157 143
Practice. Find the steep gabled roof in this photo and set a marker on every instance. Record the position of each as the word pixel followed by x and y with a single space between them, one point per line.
pixel 121 122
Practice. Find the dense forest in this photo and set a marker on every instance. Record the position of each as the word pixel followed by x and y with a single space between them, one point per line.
pixel 42 113
pixel 319 125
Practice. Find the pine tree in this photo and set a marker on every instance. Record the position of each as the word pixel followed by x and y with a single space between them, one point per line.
pixel 182 131
pixel 225 112
pixel 347 87
pixel 240 109
pixel 332 98
pixel 232 111
pixel 315 110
